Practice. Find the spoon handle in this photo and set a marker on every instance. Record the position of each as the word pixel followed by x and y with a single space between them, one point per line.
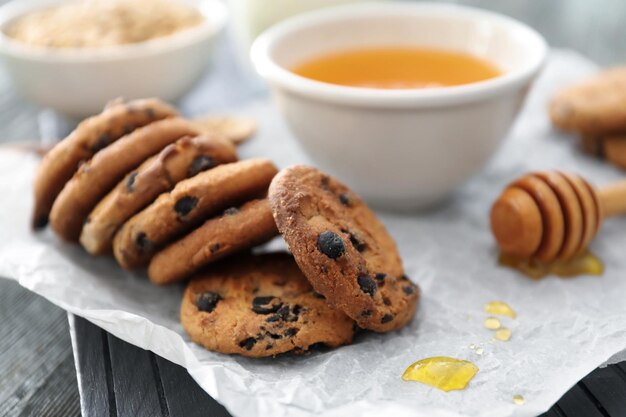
pixel 613 199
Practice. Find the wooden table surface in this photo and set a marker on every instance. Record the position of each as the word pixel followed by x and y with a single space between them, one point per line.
pixel 37 371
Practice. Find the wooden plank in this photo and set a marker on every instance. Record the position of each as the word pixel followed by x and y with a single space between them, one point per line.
pixel 136 381
pixel 92 358
pixel 58 395
pixel 34 346
pixel 184 396
pixel 575 403
pixel 609 388
pixel 555 411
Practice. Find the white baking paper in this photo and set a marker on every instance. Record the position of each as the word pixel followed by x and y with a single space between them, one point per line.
pixel 565 327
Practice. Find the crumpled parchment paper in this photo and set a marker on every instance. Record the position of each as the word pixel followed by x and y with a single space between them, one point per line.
pixel 565 327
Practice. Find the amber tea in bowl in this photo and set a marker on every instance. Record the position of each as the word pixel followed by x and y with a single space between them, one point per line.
pixel 397 68
pixel 404 101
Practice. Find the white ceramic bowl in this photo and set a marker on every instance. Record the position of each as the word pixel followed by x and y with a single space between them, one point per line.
pixel 79 82
pixel 400 148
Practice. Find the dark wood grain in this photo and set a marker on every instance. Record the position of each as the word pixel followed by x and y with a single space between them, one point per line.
pixel 37 376
pixel 136 381
pixel 608 387
pixel 94 366
pixel 576 403
pixel 184 396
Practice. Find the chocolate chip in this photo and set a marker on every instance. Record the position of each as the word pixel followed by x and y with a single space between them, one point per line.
pixel 295 312
pixel 330 244
pixel 274 336
pixel 150 113
pixel 142 241
pixel 366 313
pixel 200 163
pixel 386 301
pixel 345 199
pixel 130 182
pixel 268 346
pixel 367 284
pixel 273 318
pixel 358 245
pixel 40 222
pixel 290 332
pixel 380 278
pixel 207 301
pixel 266 304
pixel 101 143
pixel 386 318
pixel 408 290
pixel 184 206
pixel 231 211
pixel 248 343
pixel 214 248
pixel 325 183
pixel 318 295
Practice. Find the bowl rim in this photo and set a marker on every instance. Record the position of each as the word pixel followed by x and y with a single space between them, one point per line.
pixel 215 17
pixel 267 68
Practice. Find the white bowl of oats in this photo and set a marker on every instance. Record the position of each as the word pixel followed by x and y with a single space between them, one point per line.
pixel 75 56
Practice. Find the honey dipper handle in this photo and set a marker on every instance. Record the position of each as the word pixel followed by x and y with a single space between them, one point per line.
pixel 613 198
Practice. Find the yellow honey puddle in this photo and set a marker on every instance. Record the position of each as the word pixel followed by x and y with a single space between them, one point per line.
pixel 503 334
pixel 441 372
pixel 584 264
pixel 492 323
pixel 500 308
pixel 518 399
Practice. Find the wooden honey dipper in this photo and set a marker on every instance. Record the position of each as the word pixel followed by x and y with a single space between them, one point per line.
pixel 550 216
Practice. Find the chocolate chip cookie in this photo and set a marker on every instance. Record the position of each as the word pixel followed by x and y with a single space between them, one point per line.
pixel 595 107
pixel 91 135
pixel 95 178
pixel 191 202
pixel 260 306
pixel 342 248
pixel 177 161
pixel 236 229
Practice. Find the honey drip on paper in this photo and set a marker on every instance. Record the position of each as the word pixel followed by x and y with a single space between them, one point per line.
pixel 584 264
pixel 491 323
pixel 500 308
pixel 503 334
pixel 441 372
pixel 518 399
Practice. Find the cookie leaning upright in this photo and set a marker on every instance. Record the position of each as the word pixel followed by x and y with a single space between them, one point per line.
pixel 595 107
pixel 238 228
pixel 191 202
pixel 160 173
pixel 260 306
pixel 342 248
pixel 95 178
pixel 91 135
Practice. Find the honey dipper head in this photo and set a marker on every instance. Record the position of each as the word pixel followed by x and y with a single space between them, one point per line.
pixel 516 223
pixel 546 216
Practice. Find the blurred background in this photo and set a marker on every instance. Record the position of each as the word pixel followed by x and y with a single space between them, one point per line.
pixel 595 29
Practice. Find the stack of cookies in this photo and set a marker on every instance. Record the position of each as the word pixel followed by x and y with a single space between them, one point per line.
pixel 165 193
pixel 595 110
